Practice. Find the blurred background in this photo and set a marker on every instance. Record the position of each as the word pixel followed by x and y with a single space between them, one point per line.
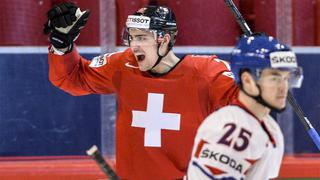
pixel 41 124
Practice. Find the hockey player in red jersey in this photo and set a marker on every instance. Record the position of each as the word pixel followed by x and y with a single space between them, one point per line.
pixel 241 140
pixel 162 99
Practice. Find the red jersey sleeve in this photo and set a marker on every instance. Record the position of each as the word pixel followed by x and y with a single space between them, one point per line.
pixel 78 76
pixel 223 90
pixel 222 87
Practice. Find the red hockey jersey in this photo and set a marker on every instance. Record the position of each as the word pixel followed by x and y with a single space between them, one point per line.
pixel 157 117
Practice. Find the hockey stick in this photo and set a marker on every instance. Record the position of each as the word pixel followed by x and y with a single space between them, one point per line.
pixel 96 155
pixel 296 108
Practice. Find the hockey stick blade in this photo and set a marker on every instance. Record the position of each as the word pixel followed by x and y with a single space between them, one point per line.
pixel 295 106
pixel 104 166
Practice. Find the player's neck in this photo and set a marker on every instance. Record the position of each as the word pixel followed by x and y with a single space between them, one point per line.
pixel 167 63
pixel 253 106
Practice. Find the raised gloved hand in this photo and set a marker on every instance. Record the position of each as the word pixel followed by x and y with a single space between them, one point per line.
pixel 64 24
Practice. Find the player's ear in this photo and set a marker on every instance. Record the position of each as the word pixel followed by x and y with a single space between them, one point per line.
pixel 167 38
pixel 164 40
pixel 164 43
pixel 249 83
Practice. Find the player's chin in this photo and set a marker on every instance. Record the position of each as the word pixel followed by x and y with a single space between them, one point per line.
pixel 142 67
pixel 282 106
pixel 280 103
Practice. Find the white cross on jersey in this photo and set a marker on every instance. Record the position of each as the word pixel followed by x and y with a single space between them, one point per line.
pixel 153 120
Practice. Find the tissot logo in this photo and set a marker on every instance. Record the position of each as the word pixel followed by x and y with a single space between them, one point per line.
pixel 138 20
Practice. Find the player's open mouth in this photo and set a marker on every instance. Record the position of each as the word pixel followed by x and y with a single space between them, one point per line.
pixel 140 57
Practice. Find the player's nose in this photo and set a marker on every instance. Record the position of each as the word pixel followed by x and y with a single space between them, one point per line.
pixel 135 49
pixel 283 89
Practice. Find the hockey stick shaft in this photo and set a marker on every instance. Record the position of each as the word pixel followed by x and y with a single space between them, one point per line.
pixel 296 108
pixel 306 123
pixel 240 20
pixel 104 166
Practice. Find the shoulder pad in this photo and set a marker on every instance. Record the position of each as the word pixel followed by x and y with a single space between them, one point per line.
pixel 102 60
pixel 99 61
pixel 226 63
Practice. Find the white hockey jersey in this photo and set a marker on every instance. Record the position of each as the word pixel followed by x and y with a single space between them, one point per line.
pixel 233 144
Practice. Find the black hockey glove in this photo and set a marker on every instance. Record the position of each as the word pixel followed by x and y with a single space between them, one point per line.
pixel 64 23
